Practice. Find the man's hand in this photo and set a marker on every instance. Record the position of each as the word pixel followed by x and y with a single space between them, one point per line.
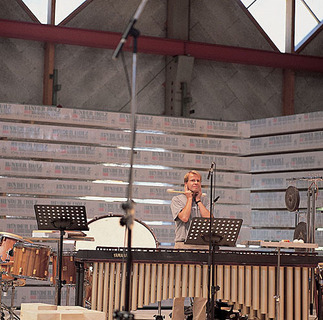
pixel 198 195
pixel 188 193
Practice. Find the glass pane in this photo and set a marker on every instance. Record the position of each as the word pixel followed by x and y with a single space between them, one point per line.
pixel 247 3
pixel 305 22
pixel 317 7
pixel 65 8
pixel 39 8
pixel 271 17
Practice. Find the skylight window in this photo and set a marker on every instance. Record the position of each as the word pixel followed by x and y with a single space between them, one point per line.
pixel 305 21
pixel 39 8
pixel 63 9
pixel 271 16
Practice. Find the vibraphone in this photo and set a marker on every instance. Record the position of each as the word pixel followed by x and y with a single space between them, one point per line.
pixel 246 279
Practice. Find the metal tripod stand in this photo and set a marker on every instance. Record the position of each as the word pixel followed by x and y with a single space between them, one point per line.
pixel 5 285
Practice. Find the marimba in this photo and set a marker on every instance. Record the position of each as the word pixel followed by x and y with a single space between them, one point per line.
pixel 247 279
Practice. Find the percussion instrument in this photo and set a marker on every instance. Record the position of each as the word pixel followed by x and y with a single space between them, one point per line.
pixel 68 268
pixel 7 241
pixel 246 279
pixel 6 277
pixel 108 232
pixel 5 271
pixel 30 261
pixel 292 199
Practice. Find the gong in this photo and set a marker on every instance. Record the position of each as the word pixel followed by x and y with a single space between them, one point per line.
pixel 292 199
pixel 300 232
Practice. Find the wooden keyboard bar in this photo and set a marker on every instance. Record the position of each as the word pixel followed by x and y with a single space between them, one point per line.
pixel 246 278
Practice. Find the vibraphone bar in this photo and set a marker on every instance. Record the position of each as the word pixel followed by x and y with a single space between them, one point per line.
pixel 246 278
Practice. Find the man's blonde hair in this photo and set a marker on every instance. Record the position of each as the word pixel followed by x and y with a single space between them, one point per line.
pixel 191 172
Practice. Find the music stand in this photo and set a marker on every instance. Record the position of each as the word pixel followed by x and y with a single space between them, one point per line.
pixel 61 218
pixel 215 232
pixel 224 231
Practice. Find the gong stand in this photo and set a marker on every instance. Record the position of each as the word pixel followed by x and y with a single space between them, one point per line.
pixel 292 200
pixel 311 210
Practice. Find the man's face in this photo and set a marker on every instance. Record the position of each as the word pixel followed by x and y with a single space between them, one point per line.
pixel 193 183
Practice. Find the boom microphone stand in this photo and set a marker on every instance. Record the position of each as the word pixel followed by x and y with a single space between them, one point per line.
pixel 127 219
pixel 211 287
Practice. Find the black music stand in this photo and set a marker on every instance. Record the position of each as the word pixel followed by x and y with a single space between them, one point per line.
pixel 224 231
pixel 61 218
pixel 215 232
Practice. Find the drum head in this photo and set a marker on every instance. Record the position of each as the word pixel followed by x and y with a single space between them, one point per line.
pixel 107 232
pixel 11 236
pixel 7 235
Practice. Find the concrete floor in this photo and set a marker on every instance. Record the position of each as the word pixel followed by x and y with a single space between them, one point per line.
pixel 147 314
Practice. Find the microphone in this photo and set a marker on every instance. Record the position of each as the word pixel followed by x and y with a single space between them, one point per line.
pixel 211 170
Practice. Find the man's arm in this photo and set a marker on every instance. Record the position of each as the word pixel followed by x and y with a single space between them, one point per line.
pixel 205 213
pixel 185 213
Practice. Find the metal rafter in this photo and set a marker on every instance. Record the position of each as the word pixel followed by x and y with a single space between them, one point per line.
pixel 49 59
pixel 160 46
pixel 288 93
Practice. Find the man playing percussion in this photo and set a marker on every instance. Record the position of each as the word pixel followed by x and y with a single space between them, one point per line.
pixel 184 207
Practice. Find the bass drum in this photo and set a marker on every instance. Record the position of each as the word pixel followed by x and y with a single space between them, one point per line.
pixel 107 232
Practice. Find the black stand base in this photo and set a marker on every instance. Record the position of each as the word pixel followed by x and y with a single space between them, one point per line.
pixel 123 315
pixel 223 311
pixel 11 313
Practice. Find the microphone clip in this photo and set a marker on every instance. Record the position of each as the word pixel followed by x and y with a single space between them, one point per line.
pixel 211 170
